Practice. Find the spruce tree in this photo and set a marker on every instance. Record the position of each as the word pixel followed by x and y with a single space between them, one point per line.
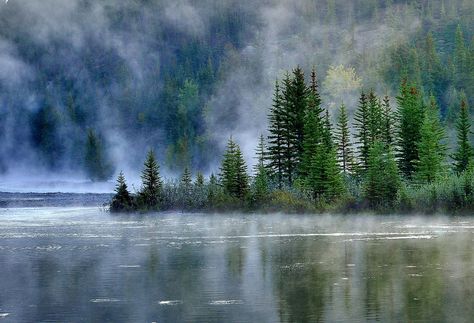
pixel 298 92
pixel 387 122
pixel 313 129
pixel 260 184
pixel 234 178
pixel 276 138
pixel 199 180
pixel 382 180
pixel 361 124
pixel 97 166
pixel 290 131
pixel 410 118
pixel 122 200
pixel 150 196
pixel 344 146
pixel 375 118
pixel 464 153
pixel 431 148
pixel 186 178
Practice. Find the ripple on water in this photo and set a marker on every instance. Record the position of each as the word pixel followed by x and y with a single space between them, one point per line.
pixel 105 300
pixel 170 303
pixel 227 302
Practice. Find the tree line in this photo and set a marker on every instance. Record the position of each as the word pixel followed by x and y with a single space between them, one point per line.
pixel 306 162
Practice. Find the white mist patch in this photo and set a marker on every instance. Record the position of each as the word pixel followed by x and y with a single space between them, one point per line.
pixel 105 300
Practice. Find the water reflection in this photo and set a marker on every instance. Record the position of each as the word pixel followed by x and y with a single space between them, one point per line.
pixel 83 265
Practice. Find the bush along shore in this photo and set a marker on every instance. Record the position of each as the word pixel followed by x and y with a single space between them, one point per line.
pixel 387 160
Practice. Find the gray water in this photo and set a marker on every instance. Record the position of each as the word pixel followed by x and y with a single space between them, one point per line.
pixel 80 264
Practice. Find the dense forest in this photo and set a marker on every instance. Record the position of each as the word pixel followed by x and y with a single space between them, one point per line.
pixel 87 88
pixel 399 160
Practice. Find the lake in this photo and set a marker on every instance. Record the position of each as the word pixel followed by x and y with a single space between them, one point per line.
pixel 76 263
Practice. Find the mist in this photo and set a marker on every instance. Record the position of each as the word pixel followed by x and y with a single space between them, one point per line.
pixel 109 61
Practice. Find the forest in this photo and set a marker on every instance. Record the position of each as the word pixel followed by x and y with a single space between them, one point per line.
pixel 399 160
pixel 87 88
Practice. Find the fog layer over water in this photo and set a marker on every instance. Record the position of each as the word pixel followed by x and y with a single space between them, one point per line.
pixel 80 264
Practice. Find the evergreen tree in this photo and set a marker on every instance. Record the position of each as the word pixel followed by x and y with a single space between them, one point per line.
pixel 382 181
pixel 98 168
pixel 464 153
pixel 431 148
pixel 260 184
pixel 150 196
pixel 122 200
pixel 261 154
pixel 199 180
pixel 344 146
pixel 313 128
pixel 276 138
pixel 375 118
pixel 410 118
pixel 186 178
pixel 387 122
pixel 234 178
pixel 298 96
pixel 361 124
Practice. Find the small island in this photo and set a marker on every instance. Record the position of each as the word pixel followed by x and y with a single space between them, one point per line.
pixel 399 161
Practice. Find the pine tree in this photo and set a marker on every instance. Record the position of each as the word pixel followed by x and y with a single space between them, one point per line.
pixel 298 101
pixel 234 178
pixel 276 138
pixel 199 180
pixel 375 118
pixel 261 154
pixel 97 166
pixel 410 118
pixel 313 129
pixel 344 146
pixel 387 122
pixel 260 184
pixel 150 196
pixel 122 200
pixel 186 178
pixel 382 181
pixel 361 124
pixel 431 148
pixel 464 153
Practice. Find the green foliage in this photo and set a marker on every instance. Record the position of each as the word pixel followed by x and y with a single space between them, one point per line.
pixel 277 131
pixel 362 135
pixel 98 167
pixel 464 153
pixel 382 181
pixel 150 196
pixel 431 148
pixel 233 176
pixel 122 200
pixel 344 145
pixel 410 117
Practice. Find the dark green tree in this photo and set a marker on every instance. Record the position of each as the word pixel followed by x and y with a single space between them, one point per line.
pixel 382 180
pixel 276 145
pixel 260 187
pixel 122 200
pixel 387 122
pixel 344 145
pixel 375 118
pixel 97 166
pixel 150 196
pixel 410 118
pixel 464 152
pixel 361 124
pixel 431 148
pixel 234 178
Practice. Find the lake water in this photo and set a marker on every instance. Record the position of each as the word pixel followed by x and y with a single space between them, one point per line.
pixel 80 264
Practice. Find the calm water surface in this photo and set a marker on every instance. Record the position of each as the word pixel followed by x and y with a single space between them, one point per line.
pixel 80 264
